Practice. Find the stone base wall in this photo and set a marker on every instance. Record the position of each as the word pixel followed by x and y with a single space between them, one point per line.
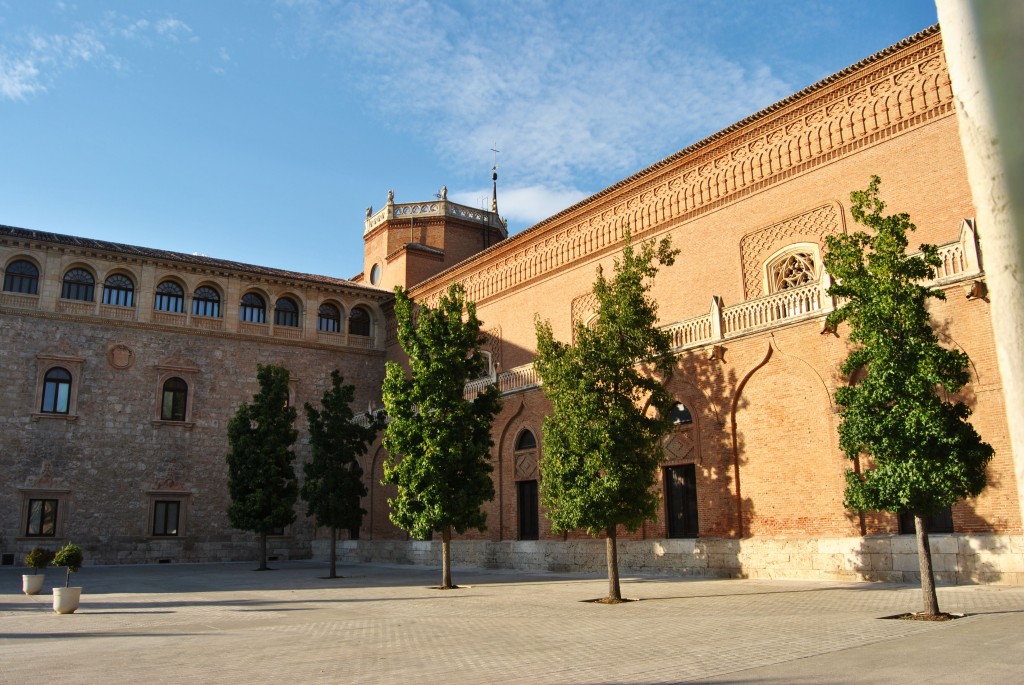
pixel 957 558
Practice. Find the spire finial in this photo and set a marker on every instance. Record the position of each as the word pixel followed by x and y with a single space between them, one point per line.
pixel 494 180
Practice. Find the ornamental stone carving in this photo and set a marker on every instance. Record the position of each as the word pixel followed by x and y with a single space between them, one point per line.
pixel 888 95
pixel 758 245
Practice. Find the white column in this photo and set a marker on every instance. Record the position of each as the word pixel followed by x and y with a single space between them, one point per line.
pixel 984 45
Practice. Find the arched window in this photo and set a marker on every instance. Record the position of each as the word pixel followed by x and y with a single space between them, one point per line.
pixel 78 285
pixel 170 297
pixel 286 313
pixel 119 290
pixel 526 441
pixel 21 276
pixel 175 398
pixel 680 415
pixel 253 309
pixel 791 270
pixel 328 318
pixel 56 391
pixel 359 322
pixel 206 302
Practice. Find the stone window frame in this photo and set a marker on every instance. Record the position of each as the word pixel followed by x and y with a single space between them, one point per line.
pixel 202 304
pixel 80 290
pixel 27 495
pixel 777 257
pixel 164 374
pixel 175 391
pixel 370 321
pixel 288 312
pixel 183 498
pixel 249 311
pixel 167 302
pixel 338 325
pixel 37 278
pixel 73 365
pixel 119 290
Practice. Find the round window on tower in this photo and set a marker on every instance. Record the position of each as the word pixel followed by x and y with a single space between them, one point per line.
pixel 375 274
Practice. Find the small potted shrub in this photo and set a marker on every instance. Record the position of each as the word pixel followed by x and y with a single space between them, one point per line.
pixel 36 559
pixel 66 599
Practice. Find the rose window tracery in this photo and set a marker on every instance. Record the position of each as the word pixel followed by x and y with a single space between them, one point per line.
pixel 792 271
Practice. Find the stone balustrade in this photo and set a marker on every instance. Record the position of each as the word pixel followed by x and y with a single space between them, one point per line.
pixel 437 208
pixel 960 261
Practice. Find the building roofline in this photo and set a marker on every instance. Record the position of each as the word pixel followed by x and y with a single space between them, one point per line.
pixel 689 150
pixel 169 255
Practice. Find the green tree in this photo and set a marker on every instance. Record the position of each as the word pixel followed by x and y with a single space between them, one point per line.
pixel 923 454
pixel 438 442
pixel 334 480
pixel 261 479
pixel 602 440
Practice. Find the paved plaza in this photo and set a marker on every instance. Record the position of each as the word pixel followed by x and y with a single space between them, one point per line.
pixel 225 623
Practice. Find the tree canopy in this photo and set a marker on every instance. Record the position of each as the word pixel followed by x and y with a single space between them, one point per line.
pixel 261 478
pixel 610 409
pixel 438 442
pixel 333 485
pixel 923 454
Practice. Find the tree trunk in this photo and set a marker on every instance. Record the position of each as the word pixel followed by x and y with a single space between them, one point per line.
pixel 334 551
pixel 263 552
pixel 930 601
pixel 611 548
pixel 446 558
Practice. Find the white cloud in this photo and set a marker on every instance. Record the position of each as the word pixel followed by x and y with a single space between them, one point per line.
pixel 584 89
pixel 31 62
pixel 172 28
pixel 18 78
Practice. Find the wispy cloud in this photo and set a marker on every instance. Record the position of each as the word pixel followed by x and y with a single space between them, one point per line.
pixel 32 62
pixel 593 89
pixel 174 29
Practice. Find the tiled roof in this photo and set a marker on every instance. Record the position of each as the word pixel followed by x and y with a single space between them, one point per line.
pixel 152 253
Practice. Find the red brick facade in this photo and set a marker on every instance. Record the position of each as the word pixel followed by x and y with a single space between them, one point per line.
pixel 754 367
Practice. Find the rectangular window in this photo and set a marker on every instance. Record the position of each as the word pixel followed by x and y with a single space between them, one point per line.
pixel 165 517
pixel 42 518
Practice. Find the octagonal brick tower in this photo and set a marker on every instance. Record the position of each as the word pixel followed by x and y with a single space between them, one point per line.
pixel 405 243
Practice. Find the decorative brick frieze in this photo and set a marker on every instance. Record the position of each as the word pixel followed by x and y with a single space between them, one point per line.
pixel 876 100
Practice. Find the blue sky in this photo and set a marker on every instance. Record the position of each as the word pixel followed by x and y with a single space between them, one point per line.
pixel 259 131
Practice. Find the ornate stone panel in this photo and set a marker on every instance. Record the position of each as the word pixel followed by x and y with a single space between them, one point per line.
pixel 757 246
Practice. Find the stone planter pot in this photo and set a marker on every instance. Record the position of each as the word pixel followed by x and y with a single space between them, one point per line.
pixel 65 599
pixel 31 585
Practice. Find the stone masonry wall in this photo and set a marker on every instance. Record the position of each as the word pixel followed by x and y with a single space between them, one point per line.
pixel 111 458
pixel 957 558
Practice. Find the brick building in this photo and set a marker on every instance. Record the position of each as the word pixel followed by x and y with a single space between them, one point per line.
pixel 126 363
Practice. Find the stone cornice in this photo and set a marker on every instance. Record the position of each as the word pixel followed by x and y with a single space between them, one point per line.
pixel 899 89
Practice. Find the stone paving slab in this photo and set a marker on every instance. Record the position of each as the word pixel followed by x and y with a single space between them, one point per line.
pixel 224 623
